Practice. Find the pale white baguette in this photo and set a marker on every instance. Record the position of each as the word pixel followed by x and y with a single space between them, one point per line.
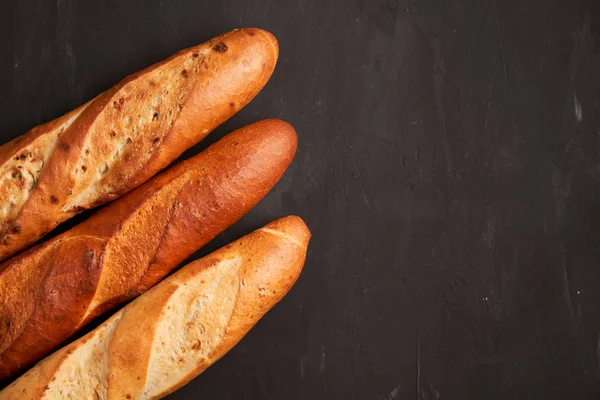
pixel 173 332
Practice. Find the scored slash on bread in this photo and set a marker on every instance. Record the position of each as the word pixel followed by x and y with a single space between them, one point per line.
pixel 52 290
pixel 176 330
pixel 115 142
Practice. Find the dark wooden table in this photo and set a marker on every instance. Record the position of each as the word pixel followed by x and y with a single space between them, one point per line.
pixel 449 168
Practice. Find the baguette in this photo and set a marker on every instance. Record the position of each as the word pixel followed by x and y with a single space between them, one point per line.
pixel 172 333
pixel 120 139
pixel 54 289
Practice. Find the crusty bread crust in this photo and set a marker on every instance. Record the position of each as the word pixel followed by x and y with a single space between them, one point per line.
pixel 176 330
pixel 115 142
pixel 53 289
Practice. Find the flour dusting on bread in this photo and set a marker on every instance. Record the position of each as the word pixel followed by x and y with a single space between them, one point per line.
pixel 83 373
pixel 132 127
pixel 19 174
pixel 192 324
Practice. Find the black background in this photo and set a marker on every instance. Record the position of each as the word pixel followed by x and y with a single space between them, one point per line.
pixel 448 167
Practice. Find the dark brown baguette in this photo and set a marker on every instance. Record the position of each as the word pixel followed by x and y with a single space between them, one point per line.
pixel 50 291
pixel 172 333
pixel 115 142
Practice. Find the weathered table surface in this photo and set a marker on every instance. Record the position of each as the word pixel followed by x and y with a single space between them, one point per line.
pixel 448 167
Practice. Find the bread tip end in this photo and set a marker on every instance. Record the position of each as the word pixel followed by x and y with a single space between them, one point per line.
pixel 293 227
pixel 262 35
pixel 284 132
pixel 253 31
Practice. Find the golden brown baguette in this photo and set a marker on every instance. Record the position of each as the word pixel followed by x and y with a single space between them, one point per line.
pixel 50 291
pixel 115 142
pixel 176 330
